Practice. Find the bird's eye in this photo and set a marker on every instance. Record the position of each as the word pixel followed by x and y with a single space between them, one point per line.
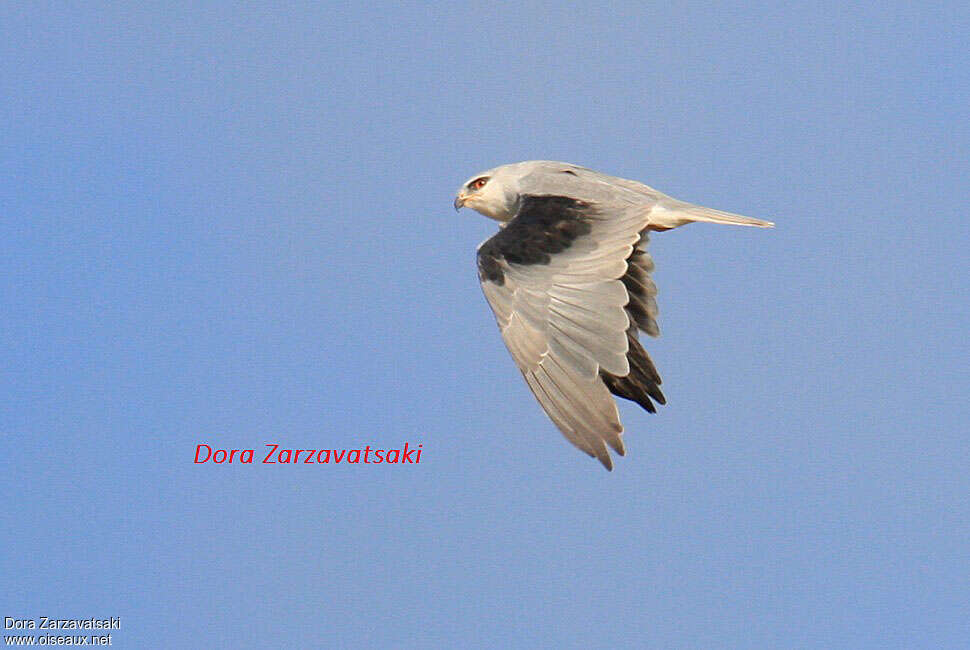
pixel 478 183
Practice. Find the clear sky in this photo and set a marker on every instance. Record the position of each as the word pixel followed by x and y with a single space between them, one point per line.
pixel 233 225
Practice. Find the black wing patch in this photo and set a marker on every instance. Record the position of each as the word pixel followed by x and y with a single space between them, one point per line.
pixel 643 382
pixel 543 226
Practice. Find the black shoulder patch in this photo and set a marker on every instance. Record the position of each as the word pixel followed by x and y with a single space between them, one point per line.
pixel 543 226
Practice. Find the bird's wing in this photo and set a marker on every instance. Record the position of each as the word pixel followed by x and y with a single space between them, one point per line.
pixel 563 179
pixel 544 177
pixel 557 278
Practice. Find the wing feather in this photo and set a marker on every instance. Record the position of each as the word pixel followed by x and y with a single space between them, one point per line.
pixel 562 305
pixel 552 408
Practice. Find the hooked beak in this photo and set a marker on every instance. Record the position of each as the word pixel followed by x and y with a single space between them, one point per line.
pixel 459 201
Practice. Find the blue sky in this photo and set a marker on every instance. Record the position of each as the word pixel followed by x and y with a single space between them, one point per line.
pixel 231 224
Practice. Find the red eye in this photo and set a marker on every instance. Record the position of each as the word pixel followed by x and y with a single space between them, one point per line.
pixel 479 183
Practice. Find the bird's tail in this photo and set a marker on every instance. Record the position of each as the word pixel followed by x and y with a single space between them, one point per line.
pixel 671 215
pixel 710 215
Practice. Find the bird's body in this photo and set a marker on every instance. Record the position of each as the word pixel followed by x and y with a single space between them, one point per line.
pixel 567 277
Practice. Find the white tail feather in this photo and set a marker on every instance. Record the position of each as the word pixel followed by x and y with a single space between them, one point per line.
pixel 679 213
pixel 719 216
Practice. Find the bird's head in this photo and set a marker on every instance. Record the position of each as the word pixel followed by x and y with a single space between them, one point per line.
pixel 493 193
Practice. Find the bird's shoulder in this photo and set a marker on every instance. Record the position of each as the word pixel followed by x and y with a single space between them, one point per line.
pixel 543 226
pixel 556 178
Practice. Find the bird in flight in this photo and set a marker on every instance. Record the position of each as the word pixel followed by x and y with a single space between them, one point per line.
pixel 568 278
